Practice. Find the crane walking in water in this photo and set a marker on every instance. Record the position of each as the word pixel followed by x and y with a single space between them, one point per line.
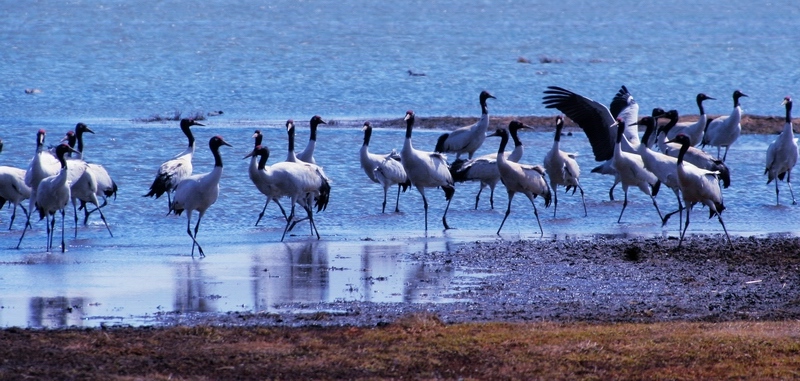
pixel 198 192
pixel 173 171
pixel 426 170
pixel 782 154
pixel 523 178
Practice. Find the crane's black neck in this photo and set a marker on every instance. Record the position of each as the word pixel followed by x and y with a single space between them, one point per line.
pixel 313 131
pixel 649 127
pixel 513 132
pixel 559 127
pixel 217 157
pixel 258 138
pixel 188 132
pixel 484 108
pixel 700 105
pixel 367 135
pixel 262 161
pixel 60 152
pixel 503 142
pixel 620 129
pixel 789 112
pixel 673 120
pixel 682 152
pixel 409 126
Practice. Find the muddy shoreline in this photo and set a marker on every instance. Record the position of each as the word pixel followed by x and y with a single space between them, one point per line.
pixel 598 280
pixel 751 124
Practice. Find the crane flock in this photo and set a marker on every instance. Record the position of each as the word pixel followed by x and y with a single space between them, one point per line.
pixel 665 155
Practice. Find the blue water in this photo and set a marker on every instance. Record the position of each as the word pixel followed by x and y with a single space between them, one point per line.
pixel 108 63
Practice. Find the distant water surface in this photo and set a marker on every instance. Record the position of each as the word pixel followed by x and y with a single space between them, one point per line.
pixel 349 59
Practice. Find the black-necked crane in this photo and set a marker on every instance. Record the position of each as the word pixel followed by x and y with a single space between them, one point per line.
pixel 426 170
pixel 694 130
pixel 521 178
pixel 88 181
pixel 484 168
pixel 724 130
pixel 43 164
pixel 173 171
pixel 307 155
pixel 661 165
pixel 198 192
pixel 386 170
pixel 52 195
pixel 782 154
pixel 694 155
pixel 598 122
pixel 632 172
pixel 311 184
pixel 106 186
pixel 562 168
pixel 13 189
pixel 698 185
pixel 293 180
pixel 656 114
pixel 469 138
pixel 254 171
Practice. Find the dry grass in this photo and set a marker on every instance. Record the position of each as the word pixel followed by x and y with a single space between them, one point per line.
pixel 418 347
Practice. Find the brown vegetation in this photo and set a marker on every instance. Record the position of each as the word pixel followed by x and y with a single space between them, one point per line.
pixel 417 347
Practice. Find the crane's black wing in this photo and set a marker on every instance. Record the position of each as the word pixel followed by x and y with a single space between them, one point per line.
pixel 621 100
pixel 593 117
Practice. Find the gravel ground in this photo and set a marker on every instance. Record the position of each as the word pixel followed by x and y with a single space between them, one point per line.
pixel 593 280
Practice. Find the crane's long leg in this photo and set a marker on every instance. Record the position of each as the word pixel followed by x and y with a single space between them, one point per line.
pixel 63 243
pixel 103 217
pixel 683 234
pixel 719 217
pixel 27 224
pixel 536 213
pixel 196 227
pixel 385 191
pixel 310 213
pixel 75 211
pixel 611 190
pixel 288 221
pixel 261 215
pixel 87 212
pixel 583 199
pixel 424 205
pixel 14 215
pixel 555 200
pixel 788 182
pixel 660 217
pixel 169 206
pixel 47 226
pixel 449 192
pixel 478 196
pixel 397 201
pixel 508 211
pixel 53 231
pixel 624 203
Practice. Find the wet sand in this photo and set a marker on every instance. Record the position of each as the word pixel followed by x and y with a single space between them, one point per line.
pixel 599 280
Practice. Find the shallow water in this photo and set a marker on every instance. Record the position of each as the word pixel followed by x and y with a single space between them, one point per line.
pixel 107 63
pixel 146 268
